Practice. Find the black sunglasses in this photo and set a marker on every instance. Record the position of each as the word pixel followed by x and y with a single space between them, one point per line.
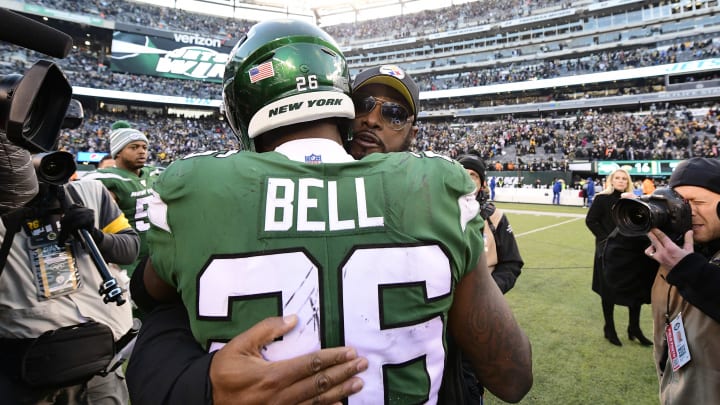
pixel 394 114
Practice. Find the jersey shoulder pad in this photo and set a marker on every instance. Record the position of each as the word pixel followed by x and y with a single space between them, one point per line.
pixel 109 176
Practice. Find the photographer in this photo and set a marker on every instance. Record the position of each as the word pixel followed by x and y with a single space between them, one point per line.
pixel 686 292
pixel 56 333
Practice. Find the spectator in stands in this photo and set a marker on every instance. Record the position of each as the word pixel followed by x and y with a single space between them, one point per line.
pixel 599 221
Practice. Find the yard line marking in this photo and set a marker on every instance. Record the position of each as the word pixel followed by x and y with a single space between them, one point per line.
pixel 550 214
pixel 547 227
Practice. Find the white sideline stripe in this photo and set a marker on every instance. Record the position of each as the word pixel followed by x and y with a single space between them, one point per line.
pixel 576 217
pixel 551 214
pixel 546 227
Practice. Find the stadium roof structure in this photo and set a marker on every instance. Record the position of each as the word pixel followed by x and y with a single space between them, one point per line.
pixel 325 8
pixel 324 12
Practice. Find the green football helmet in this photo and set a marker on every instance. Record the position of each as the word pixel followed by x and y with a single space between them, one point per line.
pixel 284 72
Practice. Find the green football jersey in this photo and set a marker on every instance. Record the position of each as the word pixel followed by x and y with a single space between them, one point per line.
pixel 133 194
pixel 366 253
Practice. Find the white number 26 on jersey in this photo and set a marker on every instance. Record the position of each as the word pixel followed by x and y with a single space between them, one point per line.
pixel 365 274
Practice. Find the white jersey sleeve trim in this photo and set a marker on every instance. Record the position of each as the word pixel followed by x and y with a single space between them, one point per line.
pixel 469 209
pixel 157 213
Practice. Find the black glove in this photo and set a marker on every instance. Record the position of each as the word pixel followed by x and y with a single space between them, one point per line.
pixel 78 217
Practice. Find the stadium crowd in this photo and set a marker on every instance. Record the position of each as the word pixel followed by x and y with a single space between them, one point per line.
pixel 544 144
pixel 514 144
pixel 532 144
pixel 421 23
pixel 91 68
pixel 170 137
pixel 683 50
pixel 85 68
pixel 147 15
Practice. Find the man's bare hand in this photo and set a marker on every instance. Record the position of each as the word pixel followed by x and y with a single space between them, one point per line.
pixel 239 374
pixel 664 251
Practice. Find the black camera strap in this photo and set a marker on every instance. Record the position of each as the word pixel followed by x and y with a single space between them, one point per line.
pixel 12 222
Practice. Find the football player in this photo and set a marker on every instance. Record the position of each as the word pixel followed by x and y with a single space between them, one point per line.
pixel 385 263
pixel 129 181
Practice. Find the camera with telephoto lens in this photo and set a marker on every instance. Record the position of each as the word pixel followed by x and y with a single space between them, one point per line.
pixel 664 209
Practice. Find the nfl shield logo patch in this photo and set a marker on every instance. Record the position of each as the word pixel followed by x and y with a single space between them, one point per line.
pixel 313 159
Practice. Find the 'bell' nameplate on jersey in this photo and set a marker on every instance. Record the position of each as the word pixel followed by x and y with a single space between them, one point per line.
pixel 322 206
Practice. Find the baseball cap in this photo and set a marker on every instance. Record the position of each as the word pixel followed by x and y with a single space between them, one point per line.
pixel 394 77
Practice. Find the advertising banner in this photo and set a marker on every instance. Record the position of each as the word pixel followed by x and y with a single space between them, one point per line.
pixel 638 168
pixel 183 56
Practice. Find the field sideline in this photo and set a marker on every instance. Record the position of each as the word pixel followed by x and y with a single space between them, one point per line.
pixel 553 302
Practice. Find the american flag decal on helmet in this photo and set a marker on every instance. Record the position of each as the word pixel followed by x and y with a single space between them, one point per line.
pixel 313 159
pixel 261 71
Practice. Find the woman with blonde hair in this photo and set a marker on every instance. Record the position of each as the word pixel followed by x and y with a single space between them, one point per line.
pixel 600 221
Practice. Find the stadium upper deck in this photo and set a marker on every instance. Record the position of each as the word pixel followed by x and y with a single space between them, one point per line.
pixel 449 49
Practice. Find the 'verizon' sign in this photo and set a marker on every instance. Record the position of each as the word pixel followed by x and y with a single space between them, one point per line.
pixel 181 57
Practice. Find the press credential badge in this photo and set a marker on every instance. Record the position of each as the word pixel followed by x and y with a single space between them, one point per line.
pixel 677 343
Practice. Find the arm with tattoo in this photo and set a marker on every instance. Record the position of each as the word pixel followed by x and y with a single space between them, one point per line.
pixel 484 327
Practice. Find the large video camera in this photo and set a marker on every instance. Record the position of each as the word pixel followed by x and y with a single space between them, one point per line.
pixel 664 209
pixel 33 110
pixel 33 107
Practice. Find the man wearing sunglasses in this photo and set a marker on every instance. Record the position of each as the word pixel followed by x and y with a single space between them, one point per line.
pixel 386 101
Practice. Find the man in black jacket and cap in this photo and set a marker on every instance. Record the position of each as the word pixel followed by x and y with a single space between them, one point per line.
pixel 686 292
pixel 501 250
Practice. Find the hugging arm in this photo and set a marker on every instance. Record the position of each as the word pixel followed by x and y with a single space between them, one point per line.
pixel 168 366
pixel 484 327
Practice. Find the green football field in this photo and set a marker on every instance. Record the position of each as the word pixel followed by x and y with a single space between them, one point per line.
pixel 553 302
